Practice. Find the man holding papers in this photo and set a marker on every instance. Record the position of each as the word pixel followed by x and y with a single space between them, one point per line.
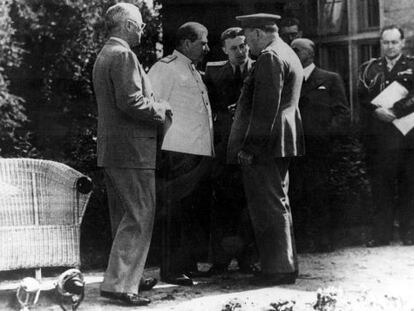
pixel 386 98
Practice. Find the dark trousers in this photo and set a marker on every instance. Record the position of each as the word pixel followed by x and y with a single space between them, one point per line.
pixel 391 173
pixel 266 185
pixel 231 230
pixel 184 215
pixel 311 202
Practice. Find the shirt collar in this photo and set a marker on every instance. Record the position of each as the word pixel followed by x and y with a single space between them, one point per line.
pixel 122 41
pixel 242 66
pixel 307 71
pixel 182 58
pixel 392 62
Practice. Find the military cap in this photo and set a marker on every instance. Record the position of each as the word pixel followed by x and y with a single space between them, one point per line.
pixel 303 43
pixel 258 20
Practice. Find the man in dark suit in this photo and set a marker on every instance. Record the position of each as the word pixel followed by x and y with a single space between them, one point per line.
pixel 128 118
pixel 230 223
pixel 390 154
pixel 266 133
pixel 325 114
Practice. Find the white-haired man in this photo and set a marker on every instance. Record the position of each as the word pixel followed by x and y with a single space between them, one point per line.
pixel 128 117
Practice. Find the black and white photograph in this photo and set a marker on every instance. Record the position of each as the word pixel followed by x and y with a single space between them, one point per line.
pixel 207 155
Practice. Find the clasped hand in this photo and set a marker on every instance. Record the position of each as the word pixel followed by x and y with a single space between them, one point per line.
pixel 385 115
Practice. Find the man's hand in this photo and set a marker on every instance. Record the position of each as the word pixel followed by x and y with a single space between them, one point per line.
pixel 244 158
pixel 232 108
pixel 385 115
pixel 163 111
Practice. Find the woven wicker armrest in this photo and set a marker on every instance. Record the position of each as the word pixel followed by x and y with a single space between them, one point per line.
pixel 40 215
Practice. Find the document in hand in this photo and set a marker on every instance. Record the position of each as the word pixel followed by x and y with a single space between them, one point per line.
pixel 387 98
pixel 392 93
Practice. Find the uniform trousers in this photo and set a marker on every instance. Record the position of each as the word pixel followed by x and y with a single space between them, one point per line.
pixel 131 200
pixel 266 184
pixel 391 173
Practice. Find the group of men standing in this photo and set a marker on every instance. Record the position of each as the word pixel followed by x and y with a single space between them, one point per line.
pixel 243 143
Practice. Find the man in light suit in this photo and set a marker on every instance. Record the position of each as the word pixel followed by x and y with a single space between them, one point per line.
pixel 128 118
pixel 187 149
pixel 266 133
pixel 325 115
pixel 229 216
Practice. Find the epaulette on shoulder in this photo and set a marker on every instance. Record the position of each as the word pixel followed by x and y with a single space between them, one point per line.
pixel 214 64
pixel 168 59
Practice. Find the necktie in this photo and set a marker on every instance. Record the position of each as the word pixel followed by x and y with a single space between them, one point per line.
pixel 237 77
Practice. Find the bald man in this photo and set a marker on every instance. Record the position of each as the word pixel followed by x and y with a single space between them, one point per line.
pixel 324 110
pixel 128 117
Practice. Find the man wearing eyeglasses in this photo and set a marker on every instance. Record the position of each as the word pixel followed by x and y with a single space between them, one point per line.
pixel 128 117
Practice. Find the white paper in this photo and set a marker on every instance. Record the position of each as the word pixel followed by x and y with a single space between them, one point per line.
pixel 404 124
pixel 391 94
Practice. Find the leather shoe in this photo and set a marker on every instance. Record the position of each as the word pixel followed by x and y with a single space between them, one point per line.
pixel 274 279
pixel 147 284
pixel 215 269
pixel 127 298
pixel 180 279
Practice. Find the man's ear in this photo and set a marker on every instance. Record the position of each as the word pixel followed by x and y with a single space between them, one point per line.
pixel 128 26
pixel 224 50
pixel 300 34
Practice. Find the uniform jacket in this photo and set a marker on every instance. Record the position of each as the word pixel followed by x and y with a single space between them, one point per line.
pixel 323 107
pixel 374 78
pixel 267 120
pixel 127 114
pixel 176 80
pixel 219 79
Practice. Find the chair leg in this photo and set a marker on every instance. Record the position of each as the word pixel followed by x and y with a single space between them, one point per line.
pixel 38 274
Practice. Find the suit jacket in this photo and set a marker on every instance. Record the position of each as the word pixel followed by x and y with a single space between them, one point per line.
pixel 127 114
pixel 376 134
pixel 176 80
pixel 267 120
pixel 324 109
pixel 222 91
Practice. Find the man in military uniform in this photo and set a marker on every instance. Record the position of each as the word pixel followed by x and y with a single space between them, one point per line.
pixel 187 148
pixel 266 133
pixel 230 222
pixel 390 154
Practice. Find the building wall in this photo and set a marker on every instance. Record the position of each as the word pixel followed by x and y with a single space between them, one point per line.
pixel 401 12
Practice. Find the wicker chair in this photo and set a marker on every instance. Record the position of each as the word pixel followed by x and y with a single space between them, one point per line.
pixel 41 208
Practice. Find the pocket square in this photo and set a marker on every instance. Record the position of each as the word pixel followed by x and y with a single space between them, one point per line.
pixel 322 87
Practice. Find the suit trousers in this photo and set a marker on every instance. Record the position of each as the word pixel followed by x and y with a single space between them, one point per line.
pixel 131 200
pixel 266 184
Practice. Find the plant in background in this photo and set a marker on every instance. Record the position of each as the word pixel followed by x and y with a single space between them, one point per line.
pixel 13 138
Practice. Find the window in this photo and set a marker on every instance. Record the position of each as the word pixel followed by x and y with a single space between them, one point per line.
pixel 366 51
pixel 333 17
pixel 368 14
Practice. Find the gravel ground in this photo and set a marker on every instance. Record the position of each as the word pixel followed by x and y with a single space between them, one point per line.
pixel 363 279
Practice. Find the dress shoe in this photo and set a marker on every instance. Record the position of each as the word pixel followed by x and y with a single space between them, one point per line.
pixel 147 284
pixel 180 279
pixel 274 279
pixel 249 269
pixel 127 298
pixel 215 269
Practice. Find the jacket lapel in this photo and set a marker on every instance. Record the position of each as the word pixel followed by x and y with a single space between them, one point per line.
pixel 313 82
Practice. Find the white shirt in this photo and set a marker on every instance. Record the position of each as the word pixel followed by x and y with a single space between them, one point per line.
pixel 308 71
